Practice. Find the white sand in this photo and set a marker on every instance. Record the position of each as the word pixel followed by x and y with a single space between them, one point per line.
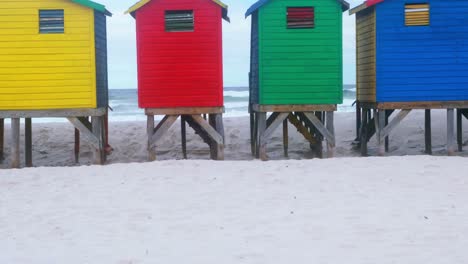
pixel 53 143
pixel 351 210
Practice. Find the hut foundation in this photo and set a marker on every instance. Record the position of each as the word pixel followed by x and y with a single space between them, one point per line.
pixel 207 122
pixel 374 120
pixel 314 122
pixel 93 132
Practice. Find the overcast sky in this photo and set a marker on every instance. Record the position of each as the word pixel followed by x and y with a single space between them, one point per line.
pixel 122 51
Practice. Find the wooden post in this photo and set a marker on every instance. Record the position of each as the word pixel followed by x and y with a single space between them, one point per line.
pixel 2 139
pixel 28 142
pixel 363 140
pixel 319 137
pixel 379 117
pixel 252 133
pixel 387 138
pixel 261 146
pixel 428 131
pixel 219 127
pixel 77 146
pixel 459 130
pixel 150 133
pixel 358 120
pixel 184 136
pixel 450 132
pixel 331 128
pixel 15 143
pixel 97 132
pixel 285 137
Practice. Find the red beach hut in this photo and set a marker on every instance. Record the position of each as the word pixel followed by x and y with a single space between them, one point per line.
pixel 180 67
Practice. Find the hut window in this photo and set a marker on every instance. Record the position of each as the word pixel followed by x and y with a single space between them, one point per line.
pixel 417 14
pixel 179 21
pixel 51 21
pixel 300 17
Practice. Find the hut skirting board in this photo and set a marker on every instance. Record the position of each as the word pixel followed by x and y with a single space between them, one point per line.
pixel 211 131
pixel 375 120
pixel 94 131
pixel 314 122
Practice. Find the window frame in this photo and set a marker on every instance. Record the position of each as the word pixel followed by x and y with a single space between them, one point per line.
pixel 300 7
pixel 43 31
pixel 166 29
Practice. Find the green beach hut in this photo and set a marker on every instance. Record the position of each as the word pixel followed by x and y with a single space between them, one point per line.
pixel 295 68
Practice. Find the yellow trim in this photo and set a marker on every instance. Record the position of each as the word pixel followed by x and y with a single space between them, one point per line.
pixel 140 4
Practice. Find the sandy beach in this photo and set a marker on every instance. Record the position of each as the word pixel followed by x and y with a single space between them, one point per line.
pixel 405 208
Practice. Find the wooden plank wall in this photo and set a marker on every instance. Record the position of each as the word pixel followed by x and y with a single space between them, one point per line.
pixel 254 68
pixel 101 59
pixel 46 71
pixel 366 56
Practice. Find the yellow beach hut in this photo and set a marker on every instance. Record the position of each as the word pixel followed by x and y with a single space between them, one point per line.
pixel 53 63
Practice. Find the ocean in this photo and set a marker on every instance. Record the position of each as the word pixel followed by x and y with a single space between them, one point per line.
pixel 124 103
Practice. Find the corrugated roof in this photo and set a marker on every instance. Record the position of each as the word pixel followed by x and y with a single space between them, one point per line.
pixel 93 5
pixel 260 3
pixel 141 3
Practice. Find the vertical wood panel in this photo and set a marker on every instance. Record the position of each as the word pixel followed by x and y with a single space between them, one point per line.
pixel 366 55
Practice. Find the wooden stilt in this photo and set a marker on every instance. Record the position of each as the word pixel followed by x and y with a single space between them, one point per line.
pixel 331 129
pixel 363 133
pixel 428 131
pixel 15 143
pixel 252 132
pixel 358 120
pixel 459 130
pixel 77 146
pixel 212 143
pixel 379 117
pixel 319 146
pixel 387 138
pixel 450 132
pixel 261 127
pixel 97 132
pixel 184 136
pixel 28 142
pixel 150 133
pixel 285 137
pixel 2 138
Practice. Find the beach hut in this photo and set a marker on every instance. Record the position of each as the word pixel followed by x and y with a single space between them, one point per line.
pixel 295 69
pixel 411 54
pixel 53 63
pixel 180 67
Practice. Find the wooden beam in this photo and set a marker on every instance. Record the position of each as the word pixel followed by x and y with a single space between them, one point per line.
pixel 273 126
pixel 261 127
pixel 358 120
pixel 53 113
pixel 285 137
pixel 329 119
pixel 388 113
pixel 363 133
pixel 252 133
pixel 97 125
pixel 217 149
pixel 2 138
pixel 211 132
pixel 460 130
pixel 379 117
pixel 15 143
pixel 84 132
pixel 422 105
pixel 28 142
pixel 428 131
pixel 321 128
pixel 293 108
pixel 150 132
pixel 450 132
pixel 183 131
pixel 162 128
pixel 77 146
pixel 184 111
pixel 395 122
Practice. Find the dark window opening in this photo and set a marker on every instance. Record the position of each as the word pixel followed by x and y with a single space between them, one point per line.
pixel 417 14
pixel 179 21
pixel 300 17
pixel 51 21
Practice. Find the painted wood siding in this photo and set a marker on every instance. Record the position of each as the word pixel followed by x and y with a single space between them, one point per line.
pixel 180 69
pixel 46 71
pixel 254 67
pixel 301 66
pixel 422 63
pixel 365 45
pixel 101 59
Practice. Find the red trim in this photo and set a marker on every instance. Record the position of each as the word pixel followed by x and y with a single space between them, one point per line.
pixel 373 2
